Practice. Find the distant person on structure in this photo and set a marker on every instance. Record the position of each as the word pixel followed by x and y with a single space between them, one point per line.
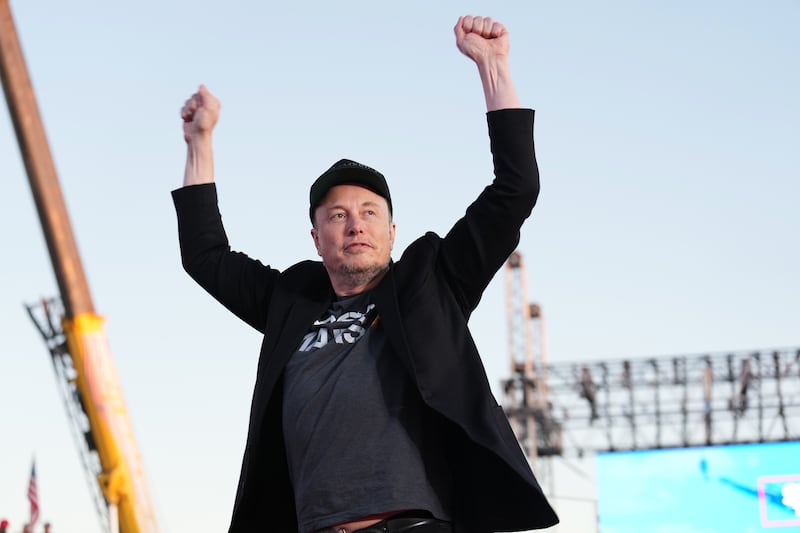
pixel 372 411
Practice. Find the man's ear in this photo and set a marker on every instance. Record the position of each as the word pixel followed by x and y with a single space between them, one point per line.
pixel 315 237
pixel 392 231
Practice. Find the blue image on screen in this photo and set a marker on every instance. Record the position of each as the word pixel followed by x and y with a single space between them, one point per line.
pixel 719 489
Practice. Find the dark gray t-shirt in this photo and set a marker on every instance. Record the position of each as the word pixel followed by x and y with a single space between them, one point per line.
pixel 354 425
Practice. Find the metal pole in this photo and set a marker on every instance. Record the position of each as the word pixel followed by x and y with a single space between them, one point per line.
pixel 41 171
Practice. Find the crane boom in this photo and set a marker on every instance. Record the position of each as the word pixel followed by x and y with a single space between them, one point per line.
pixel 121 477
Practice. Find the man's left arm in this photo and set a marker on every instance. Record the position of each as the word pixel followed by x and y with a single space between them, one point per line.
pixel 486 42
pixel 480 242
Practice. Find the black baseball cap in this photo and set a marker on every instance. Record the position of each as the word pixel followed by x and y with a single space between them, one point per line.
pixel 348 172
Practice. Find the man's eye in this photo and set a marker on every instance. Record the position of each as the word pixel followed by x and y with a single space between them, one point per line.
pixel 338 216
pixel 371 212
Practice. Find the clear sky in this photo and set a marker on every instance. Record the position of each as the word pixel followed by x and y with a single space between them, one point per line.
pixel 667 134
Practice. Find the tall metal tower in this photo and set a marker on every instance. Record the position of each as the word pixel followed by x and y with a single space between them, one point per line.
pixel 527 403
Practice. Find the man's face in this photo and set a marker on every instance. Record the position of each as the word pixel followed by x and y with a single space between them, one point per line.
pixel 353 233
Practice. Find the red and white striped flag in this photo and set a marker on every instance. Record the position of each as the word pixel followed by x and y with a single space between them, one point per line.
pixel 33 496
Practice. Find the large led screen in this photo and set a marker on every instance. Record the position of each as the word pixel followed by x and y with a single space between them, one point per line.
pixel 720 489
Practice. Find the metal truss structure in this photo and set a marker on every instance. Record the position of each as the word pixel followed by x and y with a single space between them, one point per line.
pixel 47 316
pixel 644 403
pixel 679 401
pixel 526 392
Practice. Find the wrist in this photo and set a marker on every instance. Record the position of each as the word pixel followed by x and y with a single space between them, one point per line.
pixel 498 87
pixel 198 140
pixel 494 63
pixel 199 160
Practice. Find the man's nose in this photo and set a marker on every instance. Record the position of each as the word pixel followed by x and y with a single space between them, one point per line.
pixel 355 226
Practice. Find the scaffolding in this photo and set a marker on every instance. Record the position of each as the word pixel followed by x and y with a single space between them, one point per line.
pixel 677 401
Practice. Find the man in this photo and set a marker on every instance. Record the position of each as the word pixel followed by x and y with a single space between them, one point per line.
pixel 371 410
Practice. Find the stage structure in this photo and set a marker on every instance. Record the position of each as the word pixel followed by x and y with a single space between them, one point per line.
pixel 682 401
pixel 644 403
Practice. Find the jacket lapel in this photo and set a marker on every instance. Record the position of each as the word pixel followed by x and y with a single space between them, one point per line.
pixel 385 296
pixel 304 306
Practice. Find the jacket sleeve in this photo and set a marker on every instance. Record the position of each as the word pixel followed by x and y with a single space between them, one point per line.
pixel 478 244
pixel 240 283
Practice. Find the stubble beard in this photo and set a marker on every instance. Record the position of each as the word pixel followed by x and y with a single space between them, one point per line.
pixel 362 275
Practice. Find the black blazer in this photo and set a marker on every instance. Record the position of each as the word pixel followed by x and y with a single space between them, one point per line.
pixel 430 291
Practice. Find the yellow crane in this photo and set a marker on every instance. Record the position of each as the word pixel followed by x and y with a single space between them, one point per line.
pixel 73 331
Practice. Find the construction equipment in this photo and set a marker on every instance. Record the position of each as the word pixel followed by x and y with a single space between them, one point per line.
pixel 72 330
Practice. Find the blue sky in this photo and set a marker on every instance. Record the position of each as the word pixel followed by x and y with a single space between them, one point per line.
pixel 667 136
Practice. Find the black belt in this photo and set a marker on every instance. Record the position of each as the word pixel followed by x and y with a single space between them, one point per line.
pixel 402 525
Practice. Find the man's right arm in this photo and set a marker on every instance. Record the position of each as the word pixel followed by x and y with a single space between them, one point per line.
pixel 240 283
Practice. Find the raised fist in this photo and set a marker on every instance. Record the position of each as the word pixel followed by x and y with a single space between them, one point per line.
pixel 200 114
pixel 481 38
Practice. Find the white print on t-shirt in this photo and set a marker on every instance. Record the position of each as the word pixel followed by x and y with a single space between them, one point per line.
pixel 344 329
